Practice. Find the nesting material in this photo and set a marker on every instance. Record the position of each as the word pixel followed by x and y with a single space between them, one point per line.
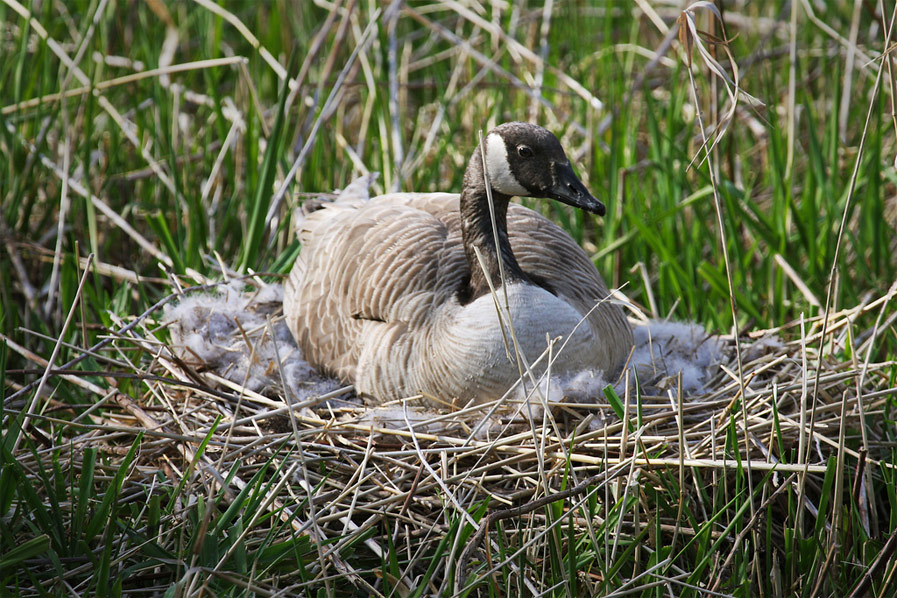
pixel 575 387
pixel 663 350
pixel 420 471
pixel 239 336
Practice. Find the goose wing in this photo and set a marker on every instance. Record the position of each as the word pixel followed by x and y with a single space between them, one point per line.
pixel 384 263
pixel 549 255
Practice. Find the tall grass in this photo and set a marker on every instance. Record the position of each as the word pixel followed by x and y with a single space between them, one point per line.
pixel 170 175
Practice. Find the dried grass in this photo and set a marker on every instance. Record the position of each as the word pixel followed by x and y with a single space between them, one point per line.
pixel 334 472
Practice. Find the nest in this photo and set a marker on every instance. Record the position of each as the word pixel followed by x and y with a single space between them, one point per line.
pixel 365 488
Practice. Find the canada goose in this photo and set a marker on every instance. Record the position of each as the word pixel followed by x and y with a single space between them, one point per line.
pixel 389 294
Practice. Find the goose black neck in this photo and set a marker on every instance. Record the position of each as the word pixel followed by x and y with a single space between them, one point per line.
pixel 477 232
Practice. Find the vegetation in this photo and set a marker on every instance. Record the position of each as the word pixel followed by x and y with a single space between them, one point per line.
pixel 150 147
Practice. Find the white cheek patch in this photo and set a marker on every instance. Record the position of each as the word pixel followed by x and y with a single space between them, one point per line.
pixel 500 176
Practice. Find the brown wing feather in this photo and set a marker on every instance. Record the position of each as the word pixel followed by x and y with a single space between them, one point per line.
pixel 363 267
pixel 547 252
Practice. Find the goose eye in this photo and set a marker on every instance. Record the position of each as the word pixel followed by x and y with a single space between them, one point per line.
pixel 524 151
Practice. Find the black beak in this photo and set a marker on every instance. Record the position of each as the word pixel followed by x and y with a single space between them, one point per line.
pixel 569 189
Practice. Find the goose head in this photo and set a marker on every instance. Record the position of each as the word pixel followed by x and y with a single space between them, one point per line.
pixel 521 160
pixel 525 160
